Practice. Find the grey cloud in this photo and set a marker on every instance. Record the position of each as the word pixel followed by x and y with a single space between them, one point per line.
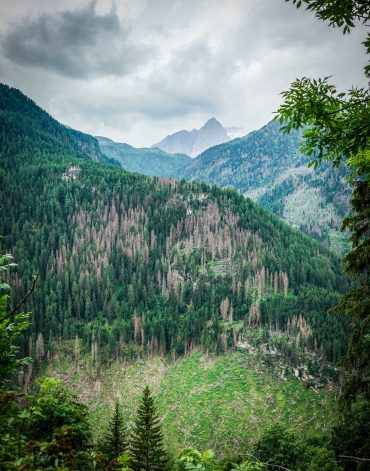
pixel 211 58
pixel 193 80
pixel 77 43
pixel 278 27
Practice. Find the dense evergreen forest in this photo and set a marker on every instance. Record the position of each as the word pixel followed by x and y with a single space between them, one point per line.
pixel 134 265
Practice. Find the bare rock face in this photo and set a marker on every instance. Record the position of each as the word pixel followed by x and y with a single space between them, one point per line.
pixel 196 141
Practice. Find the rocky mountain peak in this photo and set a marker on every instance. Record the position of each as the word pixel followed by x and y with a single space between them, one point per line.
pixel 196 141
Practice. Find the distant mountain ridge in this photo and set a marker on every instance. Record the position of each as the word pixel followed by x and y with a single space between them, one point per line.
pixel 152 161
pixel 245 163
pixel 266 166
pixel 194 142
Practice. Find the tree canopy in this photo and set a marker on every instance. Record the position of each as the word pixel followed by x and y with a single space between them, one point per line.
pixel 337 128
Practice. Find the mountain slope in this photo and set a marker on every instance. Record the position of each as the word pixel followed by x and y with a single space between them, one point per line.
pixel 20 116
pixel 136 271
pixel 135 266
pixel 196 141
pixel 266 166
pixel 214 402
pixel 152 162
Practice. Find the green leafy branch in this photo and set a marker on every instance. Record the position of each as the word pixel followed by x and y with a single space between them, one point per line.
pixel 335 124
pixel 339 13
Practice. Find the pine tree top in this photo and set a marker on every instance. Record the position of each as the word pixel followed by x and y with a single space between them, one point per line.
pixel 114 441
pixel 147 441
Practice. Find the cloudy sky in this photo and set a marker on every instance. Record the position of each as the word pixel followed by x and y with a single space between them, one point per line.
pixel 137 70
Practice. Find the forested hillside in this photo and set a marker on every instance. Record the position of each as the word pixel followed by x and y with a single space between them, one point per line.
pixel 152 162
pixel 266 166
pixel 135 265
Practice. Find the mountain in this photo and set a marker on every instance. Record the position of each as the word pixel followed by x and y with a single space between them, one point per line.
pixel 196 141
pixel 153 162
pixel 34 125
pixel 133 265
pixel 137 271
pixel 266 166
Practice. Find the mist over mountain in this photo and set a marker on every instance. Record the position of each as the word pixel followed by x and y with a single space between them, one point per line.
pixel 235 131
pixel 194 142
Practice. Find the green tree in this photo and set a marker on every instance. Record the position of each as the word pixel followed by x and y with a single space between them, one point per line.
pixel 351 437
pixel 114 442
pixel 250 466
pixel 58 407
pixel 356 302
pixel 321 459
pixel 342 13
pixel 337 128
pixel 147 441
pixel 12 324
pixel 194 459
pixel 279 446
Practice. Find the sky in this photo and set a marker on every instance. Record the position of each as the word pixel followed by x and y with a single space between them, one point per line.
pixel 138 70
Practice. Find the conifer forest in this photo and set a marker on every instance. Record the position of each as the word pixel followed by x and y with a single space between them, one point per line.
pixel 201 304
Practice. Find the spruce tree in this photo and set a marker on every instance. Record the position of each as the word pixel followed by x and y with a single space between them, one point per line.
pixel 147 441
pixel 114 442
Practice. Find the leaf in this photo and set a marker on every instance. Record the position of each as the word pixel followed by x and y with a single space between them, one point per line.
pixel 5 286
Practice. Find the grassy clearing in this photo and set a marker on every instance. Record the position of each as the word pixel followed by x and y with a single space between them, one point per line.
pixel 218 402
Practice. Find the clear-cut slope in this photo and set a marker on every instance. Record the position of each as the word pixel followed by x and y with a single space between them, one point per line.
pixel 241 392
pixel 196 141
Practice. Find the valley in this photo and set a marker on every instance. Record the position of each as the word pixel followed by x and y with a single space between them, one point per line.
pixel 152 162
pixel 153 265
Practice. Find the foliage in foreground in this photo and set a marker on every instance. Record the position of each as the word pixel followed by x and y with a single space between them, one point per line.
pixel 337 129
pixel 114 442
pixel 49 430
pixel 147 439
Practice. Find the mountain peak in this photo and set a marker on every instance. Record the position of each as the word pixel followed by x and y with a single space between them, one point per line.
pixel 212 123
pixel 196 141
